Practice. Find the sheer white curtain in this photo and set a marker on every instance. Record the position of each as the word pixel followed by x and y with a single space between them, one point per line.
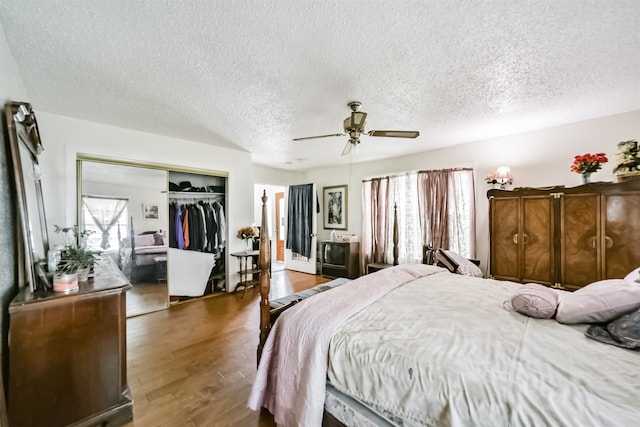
pixel 105 212
pixel 462 213
pixel 402 192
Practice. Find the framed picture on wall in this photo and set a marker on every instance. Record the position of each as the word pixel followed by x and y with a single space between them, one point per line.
pixel 335 207
pixel 150 211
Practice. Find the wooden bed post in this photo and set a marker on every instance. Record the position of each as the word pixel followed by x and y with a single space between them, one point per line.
pixel 395 234
pixel 264 263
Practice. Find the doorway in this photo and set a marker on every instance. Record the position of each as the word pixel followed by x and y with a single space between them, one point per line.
pixel 280 226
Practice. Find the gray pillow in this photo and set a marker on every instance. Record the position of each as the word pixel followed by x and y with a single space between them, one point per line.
pixel 622 332
pixel 535 300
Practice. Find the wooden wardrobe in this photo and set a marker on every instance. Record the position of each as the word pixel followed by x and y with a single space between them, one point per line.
pixel 565 237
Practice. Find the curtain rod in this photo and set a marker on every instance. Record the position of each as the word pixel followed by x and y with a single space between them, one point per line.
pixel 393 175
pixel 105 197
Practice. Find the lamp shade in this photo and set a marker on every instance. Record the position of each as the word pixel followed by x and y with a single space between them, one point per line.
pixel 503 174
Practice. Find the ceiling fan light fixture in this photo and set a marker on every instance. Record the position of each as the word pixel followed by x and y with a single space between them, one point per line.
pixel 357 119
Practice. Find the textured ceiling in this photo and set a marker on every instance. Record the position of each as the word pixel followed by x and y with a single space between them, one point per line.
pixel 254 74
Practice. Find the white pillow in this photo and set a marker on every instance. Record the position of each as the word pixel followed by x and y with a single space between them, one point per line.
pixel 633 277
pixel 599 302
pixel 535 300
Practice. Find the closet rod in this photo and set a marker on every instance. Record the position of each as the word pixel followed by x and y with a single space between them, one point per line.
pixel 193 194
pixel 191 200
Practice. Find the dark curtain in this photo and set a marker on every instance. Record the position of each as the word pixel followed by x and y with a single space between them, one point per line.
pixel 300 219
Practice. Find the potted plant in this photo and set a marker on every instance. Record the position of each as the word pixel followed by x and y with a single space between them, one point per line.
pixel 75 258
pixel 628 157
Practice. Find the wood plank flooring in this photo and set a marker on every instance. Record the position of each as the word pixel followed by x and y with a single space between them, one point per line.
pixel 193 364
pixel 147 297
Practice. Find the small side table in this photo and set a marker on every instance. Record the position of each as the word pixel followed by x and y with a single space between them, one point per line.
pixel 372 268
pixel 161 268
pixel 249 271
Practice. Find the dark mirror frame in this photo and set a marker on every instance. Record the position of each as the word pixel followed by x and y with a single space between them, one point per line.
pixel 26 146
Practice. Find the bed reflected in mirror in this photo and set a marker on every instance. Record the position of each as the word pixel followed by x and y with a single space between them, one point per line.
pixel 125 208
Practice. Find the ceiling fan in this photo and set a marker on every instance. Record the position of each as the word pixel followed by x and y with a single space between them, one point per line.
pixel 354 128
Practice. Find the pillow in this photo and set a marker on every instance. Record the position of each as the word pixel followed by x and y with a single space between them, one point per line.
pixel 535 300
pixel 633 277
pixel 158 240
pixel 456 263
pixel 622 332
pixel 144 240
pixel 599 302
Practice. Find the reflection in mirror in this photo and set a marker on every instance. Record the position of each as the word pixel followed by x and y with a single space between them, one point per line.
pixel 24 140
pixel 125 208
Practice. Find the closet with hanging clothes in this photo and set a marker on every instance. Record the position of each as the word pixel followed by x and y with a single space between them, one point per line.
pixel 196 261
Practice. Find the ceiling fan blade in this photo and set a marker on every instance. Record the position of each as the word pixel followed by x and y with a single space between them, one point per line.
pixel 395 133
pixel 318 136
pixel 347 148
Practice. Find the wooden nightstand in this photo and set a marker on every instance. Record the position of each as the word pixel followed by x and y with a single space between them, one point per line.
pixel 371 268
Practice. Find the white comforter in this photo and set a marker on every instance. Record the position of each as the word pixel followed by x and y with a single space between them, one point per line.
pixel 443 351
pixel 290 381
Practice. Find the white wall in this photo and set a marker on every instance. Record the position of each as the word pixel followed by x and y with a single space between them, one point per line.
pixel 64 137
pixel 537 159
pixel 11 89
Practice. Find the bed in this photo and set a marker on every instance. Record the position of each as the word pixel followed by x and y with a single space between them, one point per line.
pixel 141 253
pixel 416 345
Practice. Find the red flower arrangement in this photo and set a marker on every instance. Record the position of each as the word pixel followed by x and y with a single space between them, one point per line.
pixel 588 163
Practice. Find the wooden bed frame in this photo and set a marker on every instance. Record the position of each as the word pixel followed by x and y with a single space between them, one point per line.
pixel 264 264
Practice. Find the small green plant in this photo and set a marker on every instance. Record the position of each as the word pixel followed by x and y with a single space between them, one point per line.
pixel 74 255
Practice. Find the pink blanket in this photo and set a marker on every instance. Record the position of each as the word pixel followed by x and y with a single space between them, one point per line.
pixel 291 377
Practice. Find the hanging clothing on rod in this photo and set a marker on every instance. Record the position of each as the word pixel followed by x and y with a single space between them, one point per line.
pixel 198 223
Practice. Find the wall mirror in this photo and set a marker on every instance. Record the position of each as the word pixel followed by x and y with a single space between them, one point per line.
pixel 25 146
pixel 130 207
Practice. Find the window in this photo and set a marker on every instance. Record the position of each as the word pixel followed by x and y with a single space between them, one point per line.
pixel 106 218
pixel 434 207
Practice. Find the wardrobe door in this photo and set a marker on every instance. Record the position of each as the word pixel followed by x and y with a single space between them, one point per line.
pixel 621 234
pixel 580 260
pixel 505 256
pixel 536 240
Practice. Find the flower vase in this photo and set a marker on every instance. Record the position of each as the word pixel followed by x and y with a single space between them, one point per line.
pixel 249 243
pixel 586 177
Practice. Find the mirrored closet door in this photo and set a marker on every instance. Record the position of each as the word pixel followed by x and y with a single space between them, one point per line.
pixel 165 226
pixel 125 208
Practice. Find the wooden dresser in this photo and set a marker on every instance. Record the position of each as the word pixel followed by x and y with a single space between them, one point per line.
pixel 67 355
pixel 565 237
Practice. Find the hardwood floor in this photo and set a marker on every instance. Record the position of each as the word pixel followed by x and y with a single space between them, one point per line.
pixel 147 297
pixel 193 364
